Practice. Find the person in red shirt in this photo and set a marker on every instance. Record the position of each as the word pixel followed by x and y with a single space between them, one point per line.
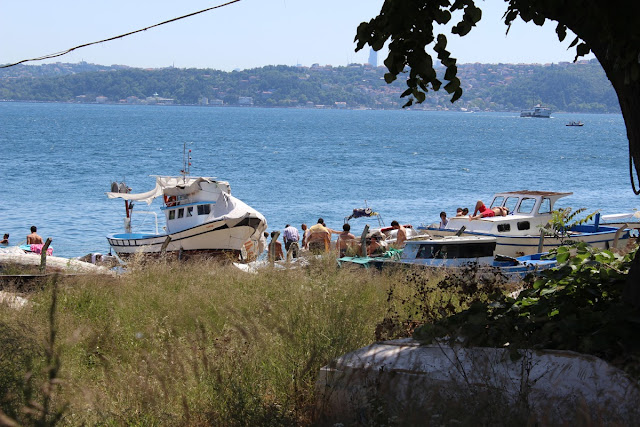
pixel 481 211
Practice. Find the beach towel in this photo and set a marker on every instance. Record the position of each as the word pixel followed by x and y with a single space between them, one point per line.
pixel 37 249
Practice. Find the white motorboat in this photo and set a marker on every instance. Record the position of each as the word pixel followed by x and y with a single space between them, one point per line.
pixel 519 232
pixel 202 217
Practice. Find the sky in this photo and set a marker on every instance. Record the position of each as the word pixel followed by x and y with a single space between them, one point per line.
pixel 246 34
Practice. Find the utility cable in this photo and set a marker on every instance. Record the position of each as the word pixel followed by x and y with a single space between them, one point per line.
pixel 64 52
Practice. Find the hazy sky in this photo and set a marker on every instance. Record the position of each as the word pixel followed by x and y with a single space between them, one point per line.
pixel 247 34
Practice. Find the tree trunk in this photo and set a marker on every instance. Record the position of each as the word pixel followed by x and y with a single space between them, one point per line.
pixel 629 97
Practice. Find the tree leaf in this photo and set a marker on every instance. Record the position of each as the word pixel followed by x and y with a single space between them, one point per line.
pixel 574 42
pixel 561 30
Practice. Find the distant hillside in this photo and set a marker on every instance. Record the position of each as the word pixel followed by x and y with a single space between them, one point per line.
pixel 580 87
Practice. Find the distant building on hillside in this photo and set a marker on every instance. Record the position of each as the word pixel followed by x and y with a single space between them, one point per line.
pixel 373 58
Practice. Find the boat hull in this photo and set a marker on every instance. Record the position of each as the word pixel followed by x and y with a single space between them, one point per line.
pixel 515 246
pixel 209 238
pixel 516 268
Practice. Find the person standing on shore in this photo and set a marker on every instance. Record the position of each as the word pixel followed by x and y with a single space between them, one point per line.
pixel 304 236
pixel 290 235
pixel 319 239
pixel 34 238
pixel 277 254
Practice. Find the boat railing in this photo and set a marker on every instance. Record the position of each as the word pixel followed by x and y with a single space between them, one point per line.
pixel 155 215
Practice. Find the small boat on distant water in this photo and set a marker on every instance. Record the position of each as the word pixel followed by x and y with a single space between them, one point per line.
pixel 537 111
pixel 572 123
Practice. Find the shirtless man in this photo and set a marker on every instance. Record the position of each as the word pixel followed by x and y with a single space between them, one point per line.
pixel 34 238
pixel 277 248
pixel 344 239
pixel 401 237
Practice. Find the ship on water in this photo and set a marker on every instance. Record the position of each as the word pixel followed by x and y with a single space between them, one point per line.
pixel 537 111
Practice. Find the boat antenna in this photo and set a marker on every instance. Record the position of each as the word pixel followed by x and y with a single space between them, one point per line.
pixel 186 162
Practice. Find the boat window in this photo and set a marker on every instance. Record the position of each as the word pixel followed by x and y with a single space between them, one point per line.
pixel 181 213
pixel 425 252
pixel 497 201
pixel 476 250
pixel 524 225
pixel 511 203
pixel 434 252
pixel 545 206
pixel 502 228
pixel 172 214
pixel 526 205
pixel 204 209
pixel 189 211
pixel 451 251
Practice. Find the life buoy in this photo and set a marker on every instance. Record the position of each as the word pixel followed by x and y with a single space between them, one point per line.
pixel 169 200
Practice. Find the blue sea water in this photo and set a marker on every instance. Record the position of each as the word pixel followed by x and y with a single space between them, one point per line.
pixel 294 165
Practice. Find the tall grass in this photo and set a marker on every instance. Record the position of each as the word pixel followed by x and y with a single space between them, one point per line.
pixel 193 343
pixel 203 343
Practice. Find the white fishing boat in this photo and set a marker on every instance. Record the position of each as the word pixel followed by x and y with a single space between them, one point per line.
pixel 522 230
pixel 202 217
pixel 537 111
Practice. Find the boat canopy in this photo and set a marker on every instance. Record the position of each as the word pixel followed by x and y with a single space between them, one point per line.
pixel 552 195
pixel 170 186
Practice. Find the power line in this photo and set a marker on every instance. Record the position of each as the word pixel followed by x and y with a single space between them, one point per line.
pixel 64 52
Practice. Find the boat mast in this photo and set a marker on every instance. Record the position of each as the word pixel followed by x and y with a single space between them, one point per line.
pixel 128 206
pixel 186 162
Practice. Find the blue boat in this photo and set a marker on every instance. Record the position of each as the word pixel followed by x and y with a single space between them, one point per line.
pixel 456 252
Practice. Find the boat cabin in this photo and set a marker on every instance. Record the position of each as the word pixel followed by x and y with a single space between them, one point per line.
pixel 190 203
pixel 449 251
pixel 528 211
pixel 533 203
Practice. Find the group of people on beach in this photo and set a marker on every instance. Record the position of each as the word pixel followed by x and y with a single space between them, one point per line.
pixel 317 239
